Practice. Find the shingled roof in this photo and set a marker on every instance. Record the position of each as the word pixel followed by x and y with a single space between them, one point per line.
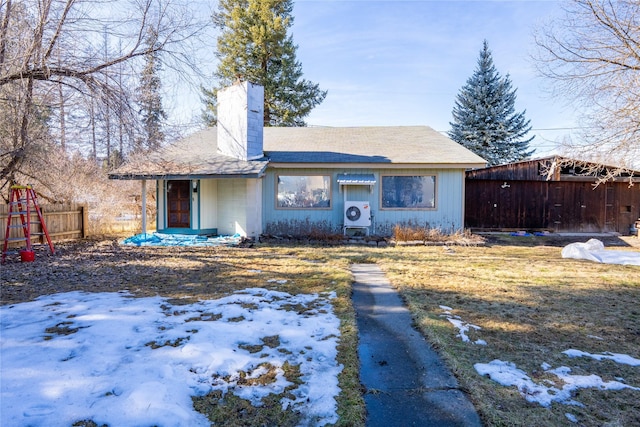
pixel 197 156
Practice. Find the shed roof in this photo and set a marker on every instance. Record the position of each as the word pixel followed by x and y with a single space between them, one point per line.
pixel 410 146
pixel 552 168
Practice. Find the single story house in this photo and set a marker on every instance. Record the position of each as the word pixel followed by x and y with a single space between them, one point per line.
pixel 553 193
pixel 240 177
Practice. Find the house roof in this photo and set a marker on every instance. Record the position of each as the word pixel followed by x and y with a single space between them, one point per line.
pixel 410 146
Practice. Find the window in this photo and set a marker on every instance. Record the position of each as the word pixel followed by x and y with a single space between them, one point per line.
pixel 409 192
pixel 304 191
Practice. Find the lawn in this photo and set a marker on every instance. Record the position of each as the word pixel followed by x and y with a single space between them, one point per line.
pixel 531 306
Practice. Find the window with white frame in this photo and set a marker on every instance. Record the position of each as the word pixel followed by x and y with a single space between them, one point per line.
pixel 304 192
pixel 408 192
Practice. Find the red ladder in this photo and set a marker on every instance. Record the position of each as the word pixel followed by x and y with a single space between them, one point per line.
pixel 23 203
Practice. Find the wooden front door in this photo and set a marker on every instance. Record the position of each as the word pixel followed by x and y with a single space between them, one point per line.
pixel 178 204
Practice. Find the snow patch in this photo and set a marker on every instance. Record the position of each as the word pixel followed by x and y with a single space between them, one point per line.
pixel 593 250
pixel 507 374
pixel 571 417
pixel 125 361
pixel 462 326
pixel 616 357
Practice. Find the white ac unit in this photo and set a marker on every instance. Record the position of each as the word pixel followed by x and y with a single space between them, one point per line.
pixel 357 214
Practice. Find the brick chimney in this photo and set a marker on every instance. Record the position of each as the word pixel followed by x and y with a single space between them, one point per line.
pixel 241 121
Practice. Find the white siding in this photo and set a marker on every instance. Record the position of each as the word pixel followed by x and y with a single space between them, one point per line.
pixel 240 121
pixel 161 194
pixel 208 203
pixel 254 207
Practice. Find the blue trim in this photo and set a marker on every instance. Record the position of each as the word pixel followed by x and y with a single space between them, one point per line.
pixel 165 214
pixel 199 204
pixel 157 203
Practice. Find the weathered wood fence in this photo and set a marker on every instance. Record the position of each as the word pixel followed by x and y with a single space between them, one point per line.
pixel 65 221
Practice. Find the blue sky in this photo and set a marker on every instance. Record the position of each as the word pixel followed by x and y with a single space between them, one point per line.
pixel 404 62
pixel 387 63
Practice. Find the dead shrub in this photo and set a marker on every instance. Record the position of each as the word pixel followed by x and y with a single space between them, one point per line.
pixel 319 230
pixel 409 232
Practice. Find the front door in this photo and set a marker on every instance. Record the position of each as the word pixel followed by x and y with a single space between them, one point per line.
pixel 178 204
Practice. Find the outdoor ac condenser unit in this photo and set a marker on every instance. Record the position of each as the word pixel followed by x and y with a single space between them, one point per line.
pixel 357 214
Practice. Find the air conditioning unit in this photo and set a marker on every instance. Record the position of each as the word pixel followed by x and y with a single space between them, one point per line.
pixel 357 214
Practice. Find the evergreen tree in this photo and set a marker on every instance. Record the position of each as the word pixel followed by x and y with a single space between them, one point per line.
pixel 254 46
pixel 150 99
pixel 484 118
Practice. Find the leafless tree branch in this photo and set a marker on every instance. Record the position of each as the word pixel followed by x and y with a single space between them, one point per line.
pixel 592 57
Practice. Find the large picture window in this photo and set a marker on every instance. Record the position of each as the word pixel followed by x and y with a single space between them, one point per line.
pixel 409 192
pixel 304 191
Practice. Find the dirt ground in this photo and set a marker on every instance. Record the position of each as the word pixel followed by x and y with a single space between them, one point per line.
pixel 104 265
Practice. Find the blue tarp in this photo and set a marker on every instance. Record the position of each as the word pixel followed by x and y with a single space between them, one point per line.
pixel 159 239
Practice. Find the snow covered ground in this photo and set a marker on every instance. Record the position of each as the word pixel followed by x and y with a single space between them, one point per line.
pixel 547 391
pixel 126 361
pixel 508 374
pixel 593 250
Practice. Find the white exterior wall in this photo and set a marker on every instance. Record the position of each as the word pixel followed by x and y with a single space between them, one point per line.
pixel 254 207
pixel 209 203
pixel 239 207
pixel 231 205
pixel 240 121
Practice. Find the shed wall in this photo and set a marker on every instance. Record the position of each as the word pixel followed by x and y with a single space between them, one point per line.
pixel 560 206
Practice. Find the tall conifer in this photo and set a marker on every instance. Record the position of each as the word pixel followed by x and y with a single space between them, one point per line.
pixel 253 45
pixel 150 99
pixel 484 118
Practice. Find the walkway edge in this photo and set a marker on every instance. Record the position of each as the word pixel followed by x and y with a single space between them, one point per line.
pixel 411 383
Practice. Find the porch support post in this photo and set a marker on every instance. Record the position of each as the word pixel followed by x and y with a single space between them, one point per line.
pixel 144 206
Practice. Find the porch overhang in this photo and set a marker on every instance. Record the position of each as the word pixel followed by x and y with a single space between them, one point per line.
pixel 138 176
pixel 215 167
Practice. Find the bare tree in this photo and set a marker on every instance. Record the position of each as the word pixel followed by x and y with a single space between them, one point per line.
pixel 592 56
pixel 52 49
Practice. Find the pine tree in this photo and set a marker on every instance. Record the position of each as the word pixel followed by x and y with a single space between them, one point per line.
pixel 150 99
pixel 254 46
pixel 484 118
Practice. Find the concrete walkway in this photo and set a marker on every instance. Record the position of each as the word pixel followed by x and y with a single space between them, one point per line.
pixel 406 382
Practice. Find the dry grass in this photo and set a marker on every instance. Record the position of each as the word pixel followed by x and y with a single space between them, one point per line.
pixel 530 303
pixel 411 233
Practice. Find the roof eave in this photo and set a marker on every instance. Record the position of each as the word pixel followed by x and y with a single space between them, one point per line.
pixel 140 177
pixel 281 165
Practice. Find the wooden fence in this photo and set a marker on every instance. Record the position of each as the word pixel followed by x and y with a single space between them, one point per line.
pixel 66 221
